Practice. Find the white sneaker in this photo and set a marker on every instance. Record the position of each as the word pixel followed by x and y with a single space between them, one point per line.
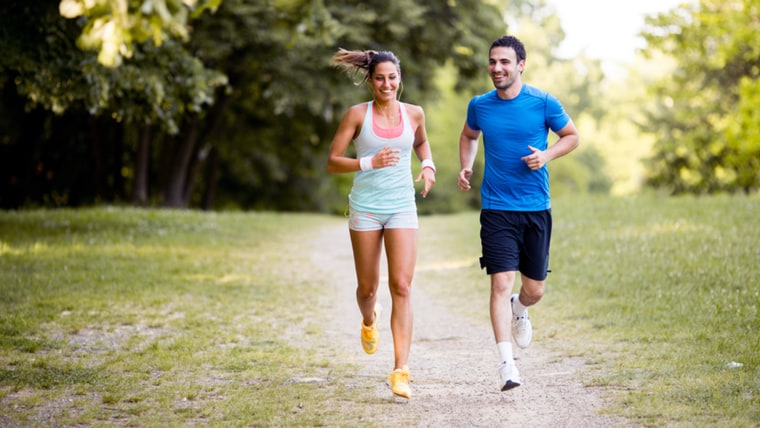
pixel 522 330
pixel 510 377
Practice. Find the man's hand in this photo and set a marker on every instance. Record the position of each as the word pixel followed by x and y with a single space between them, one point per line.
pixel 464 179
pixel 535 160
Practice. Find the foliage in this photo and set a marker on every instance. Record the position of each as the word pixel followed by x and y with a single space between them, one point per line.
pixel 160 86
pixel 70 101
pixel 705 123
pixel 113 26
pixel 577 82
pixel 287 98
pixel 240 115
pixel 743 136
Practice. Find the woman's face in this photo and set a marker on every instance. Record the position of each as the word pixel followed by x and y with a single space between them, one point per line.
pixel 385 81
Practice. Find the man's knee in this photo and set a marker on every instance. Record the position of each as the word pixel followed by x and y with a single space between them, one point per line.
pixel 531 291
pixel 502 282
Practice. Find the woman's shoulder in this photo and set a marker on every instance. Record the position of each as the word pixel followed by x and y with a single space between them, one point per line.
pixel 357 111
pixel 361 107
pixel 415 112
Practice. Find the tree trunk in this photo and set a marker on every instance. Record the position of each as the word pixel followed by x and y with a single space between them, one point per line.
pixel 187 161
pixel 210 194
pixel 175 188
pixel 99 173
pixel 197 165
pixel 211 154
pixel 142 163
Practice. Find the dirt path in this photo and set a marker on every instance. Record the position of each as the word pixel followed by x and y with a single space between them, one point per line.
pixel 453 363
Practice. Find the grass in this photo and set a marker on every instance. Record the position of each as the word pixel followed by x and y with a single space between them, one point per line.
pixel 114 316
pixel 660 295
pixel 671 288
pixel 119 316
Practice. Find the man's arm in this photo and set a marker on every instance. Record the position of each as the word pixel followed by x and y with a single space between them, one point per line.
pixel 468 149
pixel 568 141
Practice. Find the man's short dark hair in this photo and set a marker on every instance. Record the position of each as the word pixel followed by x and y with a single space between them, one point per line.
pixel 510 42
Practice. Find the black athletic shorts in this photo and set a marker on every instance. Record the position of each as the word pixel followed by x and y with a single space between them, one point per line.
pixel 516 241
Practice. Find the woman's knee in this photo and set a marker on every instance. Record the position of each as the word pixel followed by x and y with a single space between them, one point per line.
pixel 366 289
pixel 401 288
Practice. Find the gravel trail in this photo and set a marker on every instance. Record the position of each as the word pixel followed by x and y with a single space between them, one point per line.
pixel 453 363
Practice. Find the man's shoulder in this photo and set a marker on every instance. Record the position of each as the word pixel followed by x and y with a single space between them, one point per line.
pixel 484 97
pixel 532 91
pixel 533 95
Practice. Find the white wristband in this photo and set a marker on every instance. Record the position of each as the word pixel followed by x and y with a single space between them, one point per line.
pixel 365 163
pixel 428 163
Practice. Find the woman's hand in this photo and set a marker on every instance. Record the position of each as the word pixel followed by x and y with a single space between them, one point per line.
pixel 428 175
pixel 385 157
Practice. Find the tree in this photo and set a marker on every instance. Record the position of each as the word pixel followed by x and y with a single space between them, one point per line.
pixel 243 111
pixel 161 89
pixel 705 123
pixel 288 98
pixel 114 26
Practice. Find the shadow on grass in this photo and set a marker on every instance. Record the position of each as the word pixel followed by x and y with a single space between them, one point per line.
pixel 43 376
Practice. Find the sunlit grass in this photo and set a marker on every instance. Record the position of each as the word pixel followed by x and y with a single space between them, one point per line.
pixel 676 284
pixel 661 296
pixel 152 317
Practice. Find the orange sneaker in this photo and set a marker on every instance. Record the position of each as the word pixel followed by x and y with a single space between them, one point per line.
pixel 398 380
pixel 370 336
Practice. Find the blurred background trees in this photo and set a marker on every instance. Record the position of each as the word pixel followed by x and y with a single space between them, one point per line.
pixel 231 104
pixel 706 118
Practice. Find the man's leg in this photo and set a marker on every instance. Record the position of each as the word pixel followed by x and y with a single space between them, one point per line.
pixel 502 284
pixel 530 293
pixel 534 262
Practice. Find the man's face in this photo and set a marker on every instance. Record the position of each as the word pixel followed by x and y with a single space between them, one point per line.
pixel 503 67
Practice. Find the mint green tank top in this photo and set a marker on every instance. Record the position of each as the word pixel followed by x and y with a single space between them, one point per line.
pixel 384 190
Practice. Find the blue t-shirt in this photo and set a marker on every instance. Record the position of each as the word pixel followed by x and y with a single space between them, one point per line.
pixel 509 127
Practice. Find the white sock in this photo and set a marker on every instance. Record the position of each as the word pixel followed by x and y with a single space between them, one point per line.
pixel 517 307
pixel 505 352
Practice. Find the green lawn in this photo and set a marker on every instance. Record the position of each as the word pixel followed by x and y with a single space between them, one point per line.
pixel 660 295
pixel 163 317
pixel 147 317
pixel 667 290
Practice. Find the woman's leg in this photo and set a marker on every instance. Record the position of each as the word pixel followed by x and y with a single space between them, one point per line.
pixel 367 247
pixel 401 250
